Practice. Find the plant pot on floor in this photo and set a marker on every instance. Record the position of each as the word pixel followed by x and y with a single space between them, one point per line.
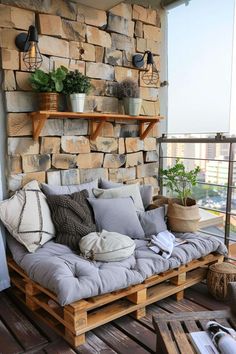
pixel 48 101
pixel 183 218
pixel 77 102
pixel 132 106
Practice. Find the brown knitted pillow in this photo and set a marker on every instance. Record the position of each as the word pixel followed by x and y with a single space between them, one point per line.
pixel 72 217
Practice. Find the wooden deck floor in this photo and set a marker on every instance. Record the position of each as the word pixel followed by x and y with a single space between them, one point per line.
pixel 21 332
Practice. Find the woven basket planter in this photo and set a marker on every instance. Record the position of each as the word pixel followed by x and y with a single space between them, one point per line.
pixel 48 101
pixel 218 277
pixel 183 218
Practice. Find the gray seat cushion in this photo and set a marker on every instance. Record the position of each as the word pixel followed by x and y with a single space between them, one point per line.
pixel 72 277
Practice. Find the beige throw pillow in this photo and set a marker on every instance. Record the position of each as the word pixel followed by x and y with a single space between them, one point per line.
pixel 27 217
pixel 132 190
pixel 106 246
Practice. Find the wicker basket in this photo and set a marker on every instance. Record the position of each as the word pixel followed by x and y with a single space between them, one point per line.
pixel 48 101
pixel 218 277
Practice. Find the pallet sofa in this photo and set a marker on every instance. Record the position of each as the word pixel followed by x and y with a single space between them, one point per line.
pixel 74 295
pixel 74 320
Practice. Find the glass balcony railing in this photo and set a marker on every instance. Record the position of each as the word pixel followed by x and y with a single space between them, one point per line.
pixel 215 191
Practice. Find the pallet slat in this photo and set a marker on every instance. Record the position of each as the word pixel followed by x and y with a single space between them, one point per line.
pixel 74 320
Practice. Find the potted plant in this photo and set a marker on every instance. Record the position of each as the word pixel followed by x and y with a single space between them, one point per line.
pixel 129 91
pixel 76 85
pixel 49 85
pixel 183 212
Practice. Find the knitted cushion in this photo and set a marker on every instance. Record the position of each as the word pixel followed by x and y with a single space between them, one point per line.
pixel 72 217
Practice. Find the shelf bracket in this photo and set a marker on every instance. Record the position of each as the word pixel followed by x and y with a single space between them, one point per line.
pixel 38 121
pixel 144 132
pixel 95 132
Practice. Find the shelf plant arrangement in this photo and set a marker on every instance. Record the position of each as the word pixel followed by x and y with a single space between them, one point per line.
pixel 48 85
pixel 183 211
pixel 76 86
pixel 129 91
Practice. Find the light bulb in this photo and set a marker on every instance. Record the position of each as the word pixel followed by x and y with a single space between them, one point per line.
pixel 32 58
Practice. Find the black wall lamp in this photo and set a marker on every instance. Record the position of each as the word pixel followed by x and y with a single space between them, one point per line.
pixel 28 44
pixel 150 73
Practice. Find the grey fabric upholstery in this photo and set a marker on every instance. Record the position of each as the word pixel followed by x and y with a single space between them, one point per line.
pixel 146 190
pixel 72 277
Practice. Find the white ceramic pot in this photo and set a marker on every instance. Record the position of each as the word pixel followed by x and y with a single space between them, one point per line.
pixel 132 105
pixel 77 102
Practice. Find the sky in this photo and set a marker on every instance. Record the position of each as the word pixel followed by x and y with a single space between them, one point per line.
pixel 200 44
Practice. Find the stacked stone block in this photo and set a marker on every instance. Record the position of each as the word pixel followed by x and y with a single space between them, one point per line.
pixel 64 153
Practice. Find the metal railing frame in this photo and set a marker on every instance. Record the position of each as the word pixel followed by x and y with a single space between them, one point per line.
pixel 219 138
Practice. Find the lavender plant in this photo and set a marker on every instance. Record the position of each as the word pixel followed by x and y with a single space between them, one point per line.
pixel 128 88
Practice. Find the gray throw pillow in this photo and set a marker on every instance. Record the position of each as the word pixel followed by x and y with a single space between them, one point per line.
pixel 146 190
pixel 131 190
pixel 49 189
pixel 153 221
pixel 118 215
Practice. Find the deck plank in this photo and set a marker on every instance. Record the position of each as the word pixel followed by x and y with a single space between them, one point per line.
pixel 123 336
pixel 22 329
pixel 118 340
pixel 138 332
pixel 200 295
pixel 94 345
pixel 8 344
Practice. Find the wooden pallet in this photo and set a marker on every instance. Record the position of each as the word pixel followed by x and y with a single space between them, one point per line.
pixel 74 320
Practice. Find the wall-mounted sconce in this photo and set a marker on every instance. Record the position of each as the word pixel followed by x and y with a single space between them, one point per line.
pixel 150 73
pixel 28 44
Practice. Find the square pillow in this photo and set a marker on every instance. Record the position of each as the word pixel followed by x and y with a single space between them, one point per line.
pixel 27 217
pixel 153 221
pixel 131 190
pixel 118 215
pixel 146 190
pixel 49 189
pixel 72 217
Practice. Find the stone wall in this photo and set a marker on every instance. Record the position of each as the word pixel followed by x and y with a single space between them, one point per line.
pixel 64 154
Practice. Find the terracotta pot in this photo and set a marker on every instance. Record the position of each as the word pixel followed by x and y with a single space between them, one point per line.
pixel 183 218
pixel 48 101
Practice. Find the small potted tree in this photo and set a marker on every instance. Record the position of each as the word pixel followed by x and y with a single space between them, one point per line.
pixel 76 86
pixel 49 85
pixel 129 91
pixel 183 212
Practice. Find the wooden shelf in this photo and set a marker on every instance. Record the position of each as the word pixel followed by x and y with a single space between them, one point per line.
pixel 39 118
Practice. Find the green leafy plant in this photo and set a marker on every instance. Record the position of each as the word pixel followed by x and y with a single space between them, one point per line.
pixel 76 82
pixel 48 82
pixel 128 88
pixel 180 181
